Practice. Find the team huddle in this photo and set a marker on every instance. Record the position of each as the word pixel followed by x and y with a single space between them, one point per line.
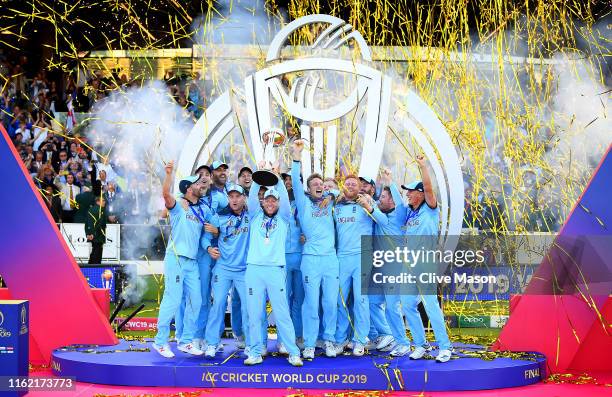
pixel 297 245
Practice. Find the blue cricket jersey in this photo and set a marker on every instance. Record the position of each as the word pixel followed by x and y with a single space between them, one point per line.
pixel 352 222
pixel 268 235
pixel 293 244
pixel 317 223
pixel 219 196
pixel 186 228
pixel 233 240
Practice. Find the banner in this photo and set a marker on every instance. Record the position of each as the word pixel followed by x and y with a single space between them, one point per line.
pixel 74 234
pixel 14 343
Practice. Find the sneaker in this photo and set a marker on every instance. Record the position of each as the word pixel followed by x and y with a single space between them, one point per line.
pixel 197 343
pixel 358 350
pixel 330 349
pixel 211 351
pixel 389 347
pixel 371 345
pixel 189 348
pixel 383 341
pixel 282 349
pixel 295 360
pixel 400 351
pixel 340 347
pixel 253 360
pixel 320 344
pixel 163 350
pixel 240 343
pixel 443 356
pixel 308 353
pixel 418 353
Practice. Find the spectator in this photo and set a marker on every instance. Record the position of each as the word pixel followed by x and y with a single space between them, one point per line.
pixel 95 230
pixel 69 193
pixel 53 203
pixel 85 201
pixel 113 201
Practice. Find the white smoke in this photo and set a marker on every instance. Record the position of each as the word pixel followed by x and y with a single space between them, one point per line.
pixel 134 287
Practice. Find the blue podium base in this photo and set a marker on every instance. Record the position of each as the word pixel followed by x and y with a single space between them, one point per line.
pixel 133 363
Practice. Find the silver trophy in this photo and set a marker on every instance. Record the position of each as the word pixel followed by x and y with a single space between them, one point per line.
pixel 271 140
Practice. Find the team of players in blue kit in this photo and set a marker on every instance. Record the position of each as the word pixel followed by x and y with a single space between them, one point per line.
pixel 298 247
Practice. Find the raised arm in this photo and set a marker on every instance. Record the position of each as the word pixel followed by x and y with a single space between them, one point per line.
pixel 430 195
pixel 253 201
pixel 169 200
pixel 284 207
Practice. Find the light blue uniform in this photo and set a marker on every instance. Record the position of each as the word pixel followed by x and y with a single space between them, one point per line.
pixel 393 227
pixel 219 196
pixel 266 270
pixel 293 257
pixel 205 265
pixel 320 268
pixel 352 222
pixel 424 221
pixel 181 272
pixel 229 269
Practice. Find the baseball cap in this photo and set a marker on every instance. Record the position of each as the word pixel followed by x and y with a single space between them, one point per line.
pixel 243 169
pixel 187 181
pixel 235 188
pixel 368 180
pixel 203 166
pixel 272 192
pixel 217 163
pixel 416 185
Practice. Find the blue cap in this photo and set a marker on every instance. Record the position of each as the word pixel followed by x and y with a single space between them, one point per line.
pixel 235 188
pixel 188 181
pixel 216 164
pixel 368 180
pixel 272 192
pixel 416 185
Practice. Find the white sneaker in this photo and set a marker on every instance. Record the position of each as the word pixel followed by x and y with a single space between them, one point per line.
pixel 197 343
pixel 163 350
pixel 282 349
pixel 418 353
pixel 358 350
pixel 253 360
pixel 340 347
pixel 308 353
pixel 443 356
pixel 211 351
pixel 400 351
pixel 330 349
pixel 371 345
pixel 383 341
pixel 389 347
pixel 189 348
pixel 240 343
pixel 295 360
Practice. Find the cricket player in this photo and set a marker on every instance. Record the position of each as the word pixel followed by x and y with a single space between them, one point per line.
pixel 187 218
pixel 423 222
pixel 233 242
pixel 320 268
pixel 355 214
pixel 266 270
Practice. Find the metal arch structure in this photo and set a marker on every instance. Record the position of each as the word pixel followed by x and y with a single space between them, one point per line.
pixel 265 86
